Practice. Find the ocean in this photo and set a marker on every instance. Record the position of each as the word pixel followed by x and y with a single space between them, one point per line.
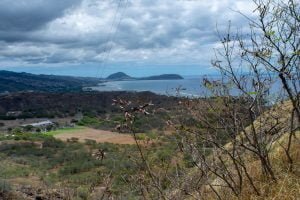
pixel 189 86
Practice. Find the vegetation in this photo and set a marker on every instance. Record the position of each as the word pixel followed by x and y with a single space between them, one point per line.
pixel 234 147
pixel 36 104
pixel 224 146
pixel 72 163
pixel 65 130
pixel 14 82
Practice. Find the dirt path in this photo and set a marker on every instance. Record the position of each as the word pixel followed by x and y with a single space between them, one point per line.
pixel 98 136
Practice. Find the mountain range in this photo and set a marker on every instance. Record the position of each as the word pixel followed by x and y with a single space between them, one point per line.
pixel 15 81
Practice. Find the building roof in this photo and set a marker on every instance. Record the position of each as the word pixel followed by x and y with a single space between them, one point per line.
pixel 42 123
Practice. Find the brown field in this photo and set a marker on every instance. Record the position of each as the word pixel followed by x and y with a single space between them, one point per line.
pixel 99 136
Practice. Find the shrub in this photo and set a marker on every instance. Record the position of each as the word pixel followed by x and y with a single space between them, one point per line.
pixel 86 120
pixel 90 142
pixel 28 128
pixel 53 143
pixel 4 186
pixel 164 154
pixel 16 131
pixel 140 136
pixel 83 192
pixel 152 135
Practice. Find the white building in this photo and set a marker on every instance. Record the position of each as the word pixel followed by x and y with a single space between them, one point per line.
pixel 41 124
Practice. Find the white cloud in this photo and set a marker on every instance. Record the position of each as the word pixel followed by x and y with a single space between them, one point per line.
pixel 151 31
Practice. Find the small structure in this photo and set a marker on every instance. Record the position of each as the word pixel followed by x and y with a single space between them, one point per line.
pixel 42 124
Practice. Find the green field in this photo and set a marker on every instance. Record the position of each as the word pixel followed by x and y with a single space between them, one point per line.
pixel 65 130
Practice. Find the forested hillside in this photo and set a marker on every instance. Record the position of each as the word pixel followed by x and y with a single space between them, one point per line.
pixel 13 82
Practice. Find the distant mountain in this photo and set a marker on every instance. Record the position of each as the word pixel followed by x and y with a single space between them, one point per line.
pixel 121 76
pixel 163 77
pixel 14 82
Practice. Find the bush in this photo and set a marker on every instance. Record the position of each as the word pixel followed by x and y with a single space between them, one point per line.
pixel 140 136
pixel 164 154
pixel 17 131
pixel 152 135
pixel 86 120
pixel 28 128
pixel 53 143
pixel 90 142
pixel 83 192
pixel 4 186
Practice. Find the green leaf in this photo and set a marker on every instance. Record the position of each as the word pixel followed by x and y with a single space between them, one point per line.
pixel 252 93
pixel 270 33
pixel 297 53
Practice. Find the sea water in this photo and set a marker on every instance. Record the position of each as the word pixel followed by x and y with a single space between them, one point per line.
pixel 189 86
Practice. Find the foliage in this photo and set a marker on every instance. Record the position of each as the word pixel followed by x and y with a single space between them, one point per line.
pixel 4 186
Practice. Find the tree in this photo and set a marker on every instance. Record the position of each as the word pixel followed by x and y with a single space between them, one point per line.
pixel 237 119
pixel 273 44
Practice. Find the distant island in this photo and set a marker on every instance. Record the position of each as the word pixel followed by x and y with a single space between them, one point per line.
pixel 121 76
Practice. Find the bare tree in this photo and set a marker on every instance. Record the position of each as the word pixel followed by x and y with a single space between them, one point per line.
pixel 241 118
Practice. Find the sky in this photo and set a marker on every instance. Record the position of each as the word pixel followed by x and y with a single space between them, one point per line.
pixel 100 37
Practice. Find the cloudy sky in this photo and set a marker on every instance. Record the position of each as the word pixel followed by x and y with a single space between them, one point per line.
pixel 98 37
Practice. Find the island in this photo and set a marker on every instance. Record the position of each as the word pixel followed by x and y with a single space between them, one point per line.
pixel 121 76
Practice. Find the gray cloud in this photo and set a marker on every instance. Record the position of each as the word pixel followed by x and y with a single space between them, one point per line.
pixel 79 31
pixel 27 15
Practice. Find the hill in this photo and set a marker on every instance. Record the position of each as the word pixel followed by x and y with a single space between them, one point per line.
pixel 44 104
pixel 121 76
pixel 163 77
pixel 79 165
pixel 14 82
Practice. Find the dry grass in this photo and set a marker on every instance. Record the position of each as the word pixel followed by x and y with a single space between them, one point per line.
pixel 278 116
pixel 287 186
pixel 97 135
